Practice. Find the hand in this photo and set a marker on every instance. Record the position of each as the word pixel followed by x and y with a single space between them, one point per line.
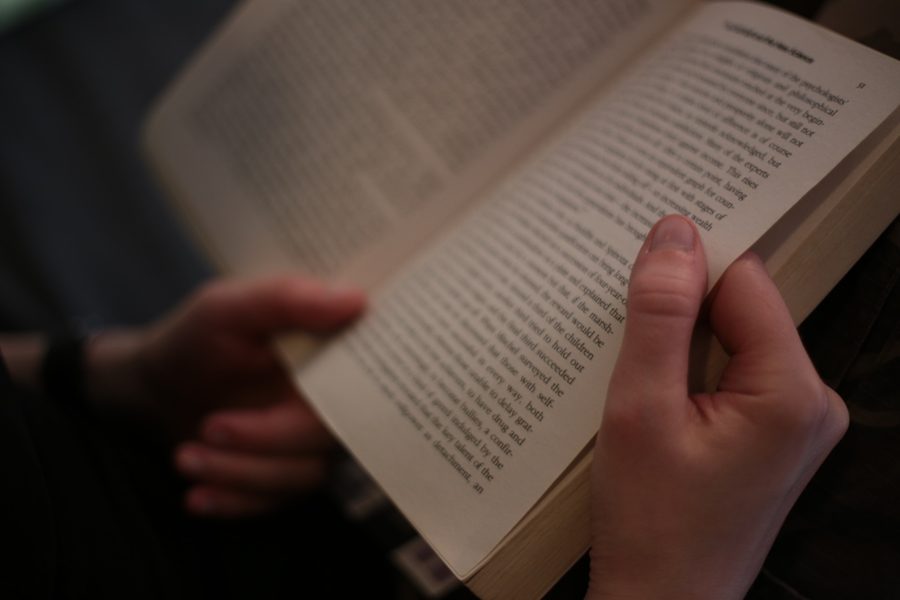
pixel 251 460
pixel 689 490
pixel 208 374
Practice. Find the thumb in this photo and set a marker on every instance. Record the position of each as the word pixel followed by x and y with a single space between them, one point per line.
pixel 277 304
pixel 667 286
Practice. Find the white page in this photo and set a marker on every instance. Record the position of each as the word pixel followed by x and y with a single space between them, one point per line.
pixel 546 260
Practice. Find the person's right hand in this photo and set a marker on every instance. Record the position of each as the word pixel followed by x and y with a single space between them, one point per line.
pixel 689 490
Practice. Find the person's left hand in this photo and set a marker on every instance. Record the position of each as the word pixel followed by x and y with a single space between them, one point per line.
pixel 248 460
pixel 208 374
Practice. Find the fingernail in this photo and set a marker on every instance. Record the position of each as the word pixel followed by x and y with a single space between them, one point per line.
pixel 673 233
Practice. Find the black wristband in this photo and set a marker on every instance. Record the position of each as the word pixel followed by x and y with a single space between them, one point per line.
pixel 5 378
pixel 62 372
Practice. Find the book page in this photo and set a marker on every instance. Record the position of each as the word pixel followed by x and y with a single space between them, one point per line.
pixel 334 136
pixel 479 373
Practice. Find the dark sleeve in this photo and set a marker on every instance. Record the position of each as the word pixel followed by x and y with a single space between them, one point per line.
pixel 70 521
pixel 26 519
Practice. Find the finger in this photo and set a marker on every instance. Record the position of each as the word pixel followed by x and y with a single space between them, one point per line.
pixel 768 362
pixel 212 501
pixel 753 324
pixel 288 427
pixel 249 472
pixel 667 286
pixel 237 390
pixel 276 304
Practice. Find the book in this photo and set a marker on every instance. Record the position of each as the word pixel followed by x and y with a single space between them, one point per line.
pixel 488 171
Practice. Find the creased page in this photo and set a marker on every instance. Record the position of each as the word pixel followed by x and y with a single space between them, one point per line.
pixel 480 372
pixel 334 136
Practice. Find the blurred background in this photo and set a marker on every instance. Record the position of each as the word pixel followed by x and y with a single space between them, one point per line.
pixel 86 237
pixel 87 240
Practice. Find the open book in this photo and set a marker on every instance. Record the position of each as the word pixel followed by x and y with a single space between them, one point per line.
pixel 488 171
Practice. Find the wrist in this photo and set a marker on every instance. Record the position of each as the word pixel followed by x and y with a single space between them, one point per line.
pixel 114 374
pixel 22 354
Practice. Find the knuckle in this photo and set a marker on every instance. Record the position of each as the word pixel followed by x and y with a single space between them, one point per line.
pixel 664 295
pixel 808 409
pixel 839 418
pixel 815 409
pixel 619 417
pixel 626 419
